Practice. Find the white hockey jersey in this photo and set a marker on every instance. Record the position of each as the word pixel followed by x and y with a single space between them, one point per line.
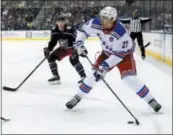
pixel 117 44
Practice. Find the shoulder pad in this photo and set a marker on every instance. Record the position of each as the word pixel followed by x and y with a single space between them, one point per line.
pixel 119 29
pixel 96 21
pixel 96 24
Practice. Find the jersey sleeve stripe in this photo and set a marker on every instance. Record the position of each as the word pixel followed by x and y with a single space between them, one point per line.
pixel 74 36
pixel 53 33
pixel 81 30
pixel 95 26
pixel 117 35
pixel 78 43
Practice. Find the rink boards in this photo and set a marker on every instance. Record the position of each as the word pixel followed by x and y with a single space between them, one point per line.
pixel 160 47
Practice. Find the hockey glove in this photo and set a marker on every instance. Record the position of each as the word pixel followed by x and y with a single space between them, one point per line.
pixel 46 52
pixel 80 48
pixel 82 51
pixel 101 71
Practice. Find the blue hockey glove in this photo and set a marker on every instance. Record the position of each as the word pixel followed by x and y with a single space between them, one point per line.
pixel 101 71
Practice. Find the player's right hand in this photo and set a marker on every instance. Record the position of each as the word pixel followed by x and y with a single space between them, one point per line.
pixel 46 52
pixel 101 71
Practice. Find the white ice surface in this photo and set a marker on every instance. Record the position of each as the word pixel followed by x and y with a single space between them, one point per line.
pixel 38 107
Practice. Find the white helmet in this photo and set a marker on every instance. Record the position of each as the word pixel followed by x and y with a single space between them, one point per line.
pixel 109 12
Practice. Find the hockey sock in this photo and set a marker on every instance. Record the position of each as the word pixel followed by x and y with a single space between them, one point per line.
pixel 79 68
pixel 141 89
pixel 144 93
pixel 86 86
pixel 53 68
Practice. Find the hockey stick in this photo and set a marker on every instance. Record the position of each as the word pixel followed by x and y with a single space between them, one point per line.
pixel 5 119
pixel 15 89
pixel 96 54
pixel 147 45
pixel 130 122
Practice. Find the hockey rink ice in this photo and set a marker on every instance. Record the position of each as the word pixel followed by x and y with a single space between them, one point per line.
pixel 39 108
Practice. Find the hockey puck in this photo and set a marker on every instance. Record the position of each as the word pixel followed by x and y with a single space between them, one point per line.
pixel 130 122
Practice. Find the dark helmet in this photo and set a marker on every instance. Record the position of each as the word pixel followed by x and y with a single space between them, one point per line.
pixel 60 18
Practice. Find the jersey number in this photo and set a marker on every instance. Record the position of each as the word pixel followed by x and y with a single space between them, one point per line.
pixel 125 44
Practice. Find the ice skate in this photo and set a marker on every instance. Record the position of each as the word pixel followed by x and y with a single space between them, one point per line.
pixel 54 80
pixel 73 102
pixel 155 105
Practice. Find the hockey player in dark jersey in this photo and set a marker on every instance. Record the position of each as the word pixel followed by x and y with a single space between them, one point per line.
pixel 65 35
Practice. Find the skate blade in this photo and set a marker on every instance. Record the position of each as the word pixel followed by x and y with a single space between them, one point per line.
pixel 55 82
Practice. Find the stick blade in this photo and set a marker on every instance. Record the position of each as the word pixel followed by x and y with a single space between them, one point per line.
pixel 137 122
pixel 147 44
pixel 8 88
pixel 4 119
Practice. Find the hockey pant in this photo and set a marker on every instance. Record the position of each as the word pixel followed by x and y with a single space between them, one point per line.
pixel 127 69
pixel 59 54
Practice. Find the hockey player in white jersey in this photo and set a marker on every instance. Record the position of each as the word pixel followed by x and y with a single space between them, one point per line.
pixel 117 50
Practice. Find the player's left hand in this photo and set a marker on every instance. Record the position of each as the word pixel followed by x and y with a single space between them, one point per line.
pixel 46 52
pixel 82 51
pixel 101 71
